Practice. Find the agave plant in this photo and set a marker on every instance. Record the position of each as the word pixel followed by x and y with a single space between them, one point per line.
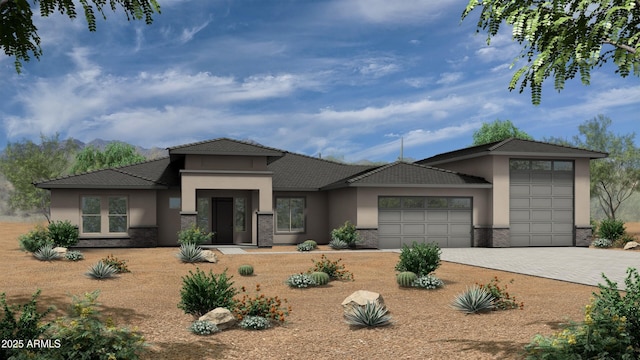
pixel 46 253
pixel 101 271
pixel 474 299
pixel 370 315
pixel 337 244
pixel 190 253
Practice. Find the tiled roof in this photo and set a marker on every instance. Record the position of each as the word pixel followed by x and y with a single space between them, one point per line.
pixel 224 146
pixel 515 147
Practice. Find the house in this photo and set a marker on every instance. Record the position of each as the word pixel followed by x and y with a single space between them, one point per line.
pixel 509 193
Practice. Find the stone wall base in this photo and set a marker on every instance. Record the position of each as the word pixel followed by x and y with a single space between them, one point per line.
pixel 584 236
pixel 368 238
pixel 481 236
pixel 500 237
pixel 265 229
pixel 139 237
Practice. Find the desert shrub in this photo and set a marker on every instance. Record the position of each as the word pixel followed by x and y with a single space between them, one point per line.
pixel 35 239
pixel 473 300
pixel 119 265
pixel 21 322
pixel 85 334
pixel 502 300
pixel 190 253
pixel 428 282
pixel 203 327
pixel 371 314
pixel 611 229
pixel 101 270
pixel 406 278
pixel 194 235
pixel 623 240
pixel 73 255
pixel 305 246
pixel 602 243
pixel 610 329
pixel 202 292
pixel 46 253
pixel 347 233
pixel 245 270
pixel 320 277
pixel 421 259
pixel 338 244
pixel 63 233
pixel 312 242
pixel 255 323
pixel 334 269
pixel 301 281
pixel 272 308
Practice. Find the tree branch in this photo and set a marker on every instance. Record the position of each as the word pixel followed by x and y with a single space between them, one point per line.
pixel 621 46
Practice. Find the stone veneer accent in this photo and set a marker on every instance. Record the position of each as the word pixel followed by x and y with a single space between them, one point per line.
pixel 187 219
pixel 368 238
pixel 481 236
pixel 140 236
pixel 265 229
pixel 500 237
pixel 584 235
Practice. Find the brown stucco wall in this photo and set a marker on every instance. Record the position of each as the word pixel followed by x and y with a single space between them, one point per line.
pixel 225 162
pixel 316 219
pixel 168 219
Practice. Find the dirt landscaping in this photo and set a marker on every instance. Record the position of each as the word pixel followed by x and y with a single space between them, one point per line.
pixel 425 326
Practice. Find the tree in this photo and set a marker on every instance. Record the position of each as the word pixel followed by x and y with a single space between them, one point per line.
pixel 115 154
pixel 615 178
pixel 563 38
pixel 24 163
pixel 19 36
pixel 498 130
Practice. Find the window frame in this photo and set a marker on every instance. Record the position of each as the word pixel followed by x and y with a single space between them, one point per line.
pixel 105 216
pixel 304 215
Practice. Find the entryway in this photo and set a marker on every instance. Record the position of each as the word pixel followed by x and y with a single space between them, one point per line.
pixel 222 220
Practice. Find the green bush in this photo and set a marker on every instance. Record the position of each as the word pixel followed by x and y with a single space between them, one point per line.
pixel 428 282
pixel 203 327
pixel 602 243
pixel 46 253
pixel 473 300
pixel 305 246
pixel 373 314
pixel 611 229
pixel 255 323
pixel 193 235
pixel 35 239
pixel 301 281
pixel 101 271
pixel 346 233
pixel 623 240
pixel 202 292
pixel 119 265
pixel 73 255
pixel 312 242
pixel 333 268
pixel 63 233
pixel 337 244
pixel 421 259
pixel 190 253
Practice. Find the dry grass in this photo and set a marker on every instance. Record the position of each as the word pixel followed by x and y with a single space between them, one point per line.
pixel 425 326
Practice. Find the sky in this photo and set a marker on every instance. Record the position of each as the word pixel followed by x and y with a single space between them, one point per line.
pixel 351 79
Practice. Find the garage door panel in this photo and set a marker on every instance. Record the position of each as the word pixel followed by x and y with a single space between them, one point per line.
pixel 459 229
pixel 389 215
pixel 541 177
pixel 563 240
pixel 563 215
pixel 520 240
pixel 463 241
pixel 517 215
pixel 544 203
pixel 413 229
pixel 389 229
pixel 519 228
pixel 521 177
pixel 541 189
pixel 541 240
pixel 437 229
pixel 437 215
pixel 520 190
pixel 413 216
pixel 541 228
pixel 388 242
pixel 441 241
pixel 459 216
pixel 410 240
pixel 541 215
pixel 520 203
pixel 563 190
pixel 562 228
pixel 563 178
pixel 562 203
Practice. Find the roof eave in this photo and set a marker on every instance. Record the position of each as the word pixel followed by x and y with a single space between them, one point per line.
pixel 440 186
pixel 102 187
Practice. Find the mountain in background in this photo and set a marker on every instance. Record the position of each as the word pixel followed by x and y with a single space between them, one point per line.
pixel 153 153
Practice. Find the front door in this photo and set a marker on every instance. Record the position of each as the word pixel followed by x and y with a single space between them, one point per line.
pixel 222 220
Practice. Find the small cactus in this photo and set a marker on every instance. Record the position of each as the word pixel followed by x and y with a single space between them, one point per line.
pixel 312 243
pixel 245 270
pixel 321 278
pixel 406 278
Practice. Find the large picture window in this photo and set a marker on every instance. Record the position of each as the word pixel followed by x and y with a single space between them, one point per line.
pixel 104 212
pixel 290 215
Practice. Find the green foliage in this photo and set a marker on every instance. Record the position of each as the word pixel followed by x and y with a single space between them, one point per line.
pixel 25 163
pixel 333 268
pixel 347 233
pixel 46 253
pixel 202 292
pixel 602 243
pixel 611 229
pixel 255 323
pixel 272 308
pixel 372 314
pixel 305 246
pixel 22 321
pixel 119 265
pixel 73 255
pixel 193 235
pixel 337 244
pixel 610 329
pixel 312 242
pixel 406 278
pixel 63 233
pixel 301 281
pixel 473 300
pixel 203 327
pixel 190 253
pixel 421 259
pixel 19 36
pixel 320 277
pixel 428 282
pixel 35 239
pixel 498 130
pixel 623 240
pixel 564 38
pixel 101 270
pixel 502 300
pixel 115 154
pixel 245 270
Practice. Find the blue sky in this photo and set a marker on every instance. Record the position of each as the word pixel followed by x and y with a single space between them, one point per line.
pixel 346 78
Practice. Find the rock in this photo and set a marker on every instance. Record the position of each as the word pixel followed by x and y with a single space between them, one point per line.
pixel 60 250
pixel 632 245
pixel 360 298
pixel 223 318
pixel 209 256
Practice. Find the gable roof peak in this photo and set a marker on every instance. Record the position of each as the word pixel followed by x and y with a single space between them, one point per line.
pixel 224 146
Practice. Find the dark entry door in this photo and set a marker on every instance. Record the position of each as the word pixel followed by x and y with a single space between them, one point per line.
pixel 222 220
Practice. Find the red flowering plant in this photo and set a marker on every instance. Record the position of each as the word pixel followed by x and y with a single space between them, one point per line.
pixel 502 300
pixel 273 308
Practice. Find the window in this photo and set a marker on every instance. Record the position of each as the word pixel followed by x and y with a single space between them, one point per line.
pixel 117 214
pixel 389 202
pixel 290 215
pixel 413 203
pixel 174 203
pixel 104 212
pixel 202 219
pixel 563 165
pixel 240 214
pixel 91 214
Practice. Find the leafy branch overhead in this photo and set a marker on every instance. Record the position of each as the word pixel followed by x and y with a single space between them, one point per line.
pixel 563 39
pixel 19 36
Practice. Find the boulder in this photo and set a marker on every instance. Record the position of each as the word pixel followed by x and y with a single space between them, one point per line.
pixel 209 256
pixel 60 250
pixel 632 245
pixel 360 298
pixel 223 318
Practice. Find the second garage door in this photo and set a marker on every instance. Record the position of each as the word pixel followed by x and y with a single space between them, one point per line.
pixel 446 221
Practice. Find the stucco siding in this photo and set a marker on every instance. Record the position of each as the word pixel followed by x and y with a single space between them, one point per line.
pixel 225 162
pixel 316 219
pixel 191 182
pixel 582 193
pixel 343 207
pixel 168 218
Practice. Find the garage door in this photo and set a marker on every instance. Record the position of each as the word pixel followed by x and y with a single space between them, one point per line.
pixel 443 220
pixel 541 202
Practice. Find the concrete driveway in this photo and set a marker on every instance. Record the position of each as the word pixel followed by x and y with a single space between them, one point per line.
pixel 573 264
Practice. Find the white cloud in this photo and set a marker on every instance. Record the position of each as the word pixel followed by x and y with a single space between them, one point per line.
pixel 189 33
pixel 449 78
pixel 395 12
